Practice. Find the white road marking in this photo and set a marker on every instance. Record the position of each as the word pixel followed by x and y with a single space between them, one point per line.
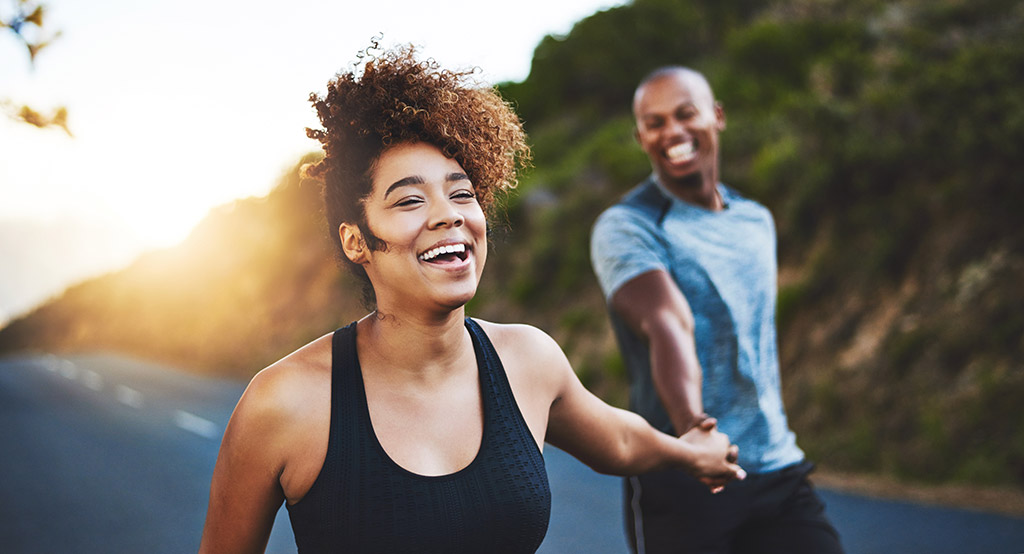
pixel 195 424
pixel 68 370
pixel 128 396
pixel 92 380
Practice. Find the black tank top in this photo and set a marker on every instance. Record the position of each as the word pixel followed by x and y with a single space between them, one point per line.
pixel 364 502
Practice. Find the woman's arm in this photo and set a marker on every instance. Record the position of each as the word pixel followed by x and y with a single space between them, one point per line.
pixel 245 493
pixel 615 441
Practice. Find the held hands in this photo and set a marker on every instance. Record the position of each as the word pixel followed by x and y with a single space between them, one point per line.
pixel 714 458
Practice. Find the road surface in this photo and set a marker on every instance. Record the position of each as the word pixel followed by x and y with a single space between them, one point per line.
pixel 102 453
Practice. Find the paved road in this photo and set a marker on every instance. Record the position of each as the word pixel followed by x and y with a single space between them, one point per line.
pixel 108 454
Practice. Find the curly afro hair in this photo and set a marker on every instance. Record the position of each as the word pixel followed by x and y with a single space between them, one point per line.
pixel 397 99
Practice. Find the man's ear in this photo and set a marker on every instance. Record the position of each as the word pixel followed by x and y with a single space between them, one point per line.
pixel 352 243
pixel 720 116
pixel 636 134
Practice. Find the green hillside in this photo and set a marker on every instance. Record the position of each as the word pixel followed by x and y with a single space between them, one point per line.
pixel 884 136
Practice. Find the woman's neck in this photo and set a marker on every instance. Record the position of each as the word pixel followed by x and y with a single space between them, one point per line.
pixel 411 347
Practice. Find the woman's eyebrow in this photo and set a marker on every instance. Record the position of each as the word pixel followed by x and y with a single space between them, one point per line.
pixel 410 180
pixel 418 180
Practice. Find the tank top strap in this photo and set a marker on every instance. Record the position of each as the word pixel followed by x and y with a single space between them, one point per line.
pixel 344 361
pixel 500 409
pixel 347 399
pixel 492 372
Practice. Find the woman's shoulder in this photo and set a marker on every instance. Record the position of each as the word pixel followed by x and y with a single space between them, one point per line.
pixel 522 344
pixel 286 388
pixel 516 334
pixel 281 423
pixel 537 370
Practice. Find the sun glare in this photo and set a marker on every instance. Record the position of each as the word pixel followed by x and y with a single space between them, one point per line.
pixel 167 129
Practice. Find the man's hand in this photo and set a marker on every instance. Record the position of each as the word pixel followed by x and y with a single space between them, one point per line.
pixel 715 457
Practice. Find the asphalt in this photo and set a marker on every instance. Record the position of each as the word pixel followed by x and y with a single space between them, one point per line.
pixel 104 453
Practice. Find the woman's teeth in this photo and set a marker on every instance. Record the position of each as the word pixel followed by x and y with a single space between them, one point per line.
pixel 446 249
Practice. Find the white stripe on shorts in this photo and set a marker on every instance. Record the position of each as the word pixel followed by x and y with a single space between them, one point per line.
pixel 638 519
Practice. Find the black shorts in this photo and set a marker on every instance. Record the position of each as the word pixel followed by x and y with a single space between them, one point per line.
pixel 778 512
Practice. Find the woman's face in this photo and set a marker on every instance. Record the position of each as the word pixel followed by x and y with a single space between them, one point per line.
pixel 424 207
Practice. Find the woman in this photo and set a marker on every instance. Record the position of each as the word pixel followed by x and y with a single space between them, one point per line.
pixel 417 429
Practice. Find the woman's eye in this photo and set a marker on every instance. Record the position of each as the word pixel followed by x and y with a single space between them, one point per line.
pixel 465 195
pixel 408 202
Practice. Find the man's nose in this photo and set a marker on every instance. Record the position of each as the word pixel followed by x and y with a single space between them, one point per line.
pixel 675 127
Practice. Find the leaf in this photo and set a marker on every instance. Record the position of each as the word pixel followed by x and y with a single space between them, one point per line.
pixel 36 17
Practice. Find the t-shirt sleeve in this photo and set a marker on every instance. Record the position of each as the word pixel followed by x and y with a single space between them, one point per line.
pixel 623 246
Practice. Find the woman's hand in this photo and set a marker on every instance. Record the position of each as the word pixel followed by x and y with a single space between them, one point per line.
pixel 714 458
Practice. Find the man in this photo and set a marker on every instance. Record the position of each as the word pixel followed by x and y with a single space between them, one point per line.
pixel 688 267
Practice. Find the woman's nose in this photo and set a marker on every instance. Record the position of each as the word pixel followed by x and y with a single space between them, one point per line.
pixel 446 215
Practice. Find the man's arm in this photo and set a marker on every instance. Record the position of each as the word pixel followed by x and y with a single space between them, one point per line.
pixel 654 308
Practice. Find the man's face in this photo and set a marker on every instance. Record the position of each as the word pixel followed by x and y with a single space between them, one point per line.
pixel 677 125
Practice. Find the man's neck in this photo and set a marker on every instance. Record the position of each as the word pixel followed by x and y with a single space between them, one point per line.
pixel 695 189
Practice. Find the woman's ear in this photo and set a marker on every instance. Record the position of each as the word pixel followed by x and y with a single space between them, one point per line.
pixel 352 243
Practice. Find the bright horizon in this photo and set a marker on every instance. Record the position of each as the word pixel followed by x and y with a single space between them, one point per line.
pixel 177 111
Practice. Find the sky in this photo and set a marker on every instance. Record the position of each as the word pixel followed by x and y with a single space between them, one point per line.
pixel 179 107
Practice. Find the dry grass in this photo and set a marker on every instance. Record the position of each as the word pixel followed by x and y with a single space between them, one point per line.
pixel 1001 500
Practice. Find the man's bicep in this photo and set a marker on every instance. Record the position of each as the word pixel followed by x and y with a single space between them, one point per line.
pixel 622 248
pixel 651 299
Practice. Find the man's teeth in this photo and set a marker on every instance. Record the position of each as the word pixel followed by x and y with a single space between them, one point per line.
pixel 446 249
pixel 680 152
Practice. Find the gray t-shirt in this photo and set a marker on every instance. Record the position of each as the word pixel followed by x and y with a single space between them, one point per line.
pixel 724 263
